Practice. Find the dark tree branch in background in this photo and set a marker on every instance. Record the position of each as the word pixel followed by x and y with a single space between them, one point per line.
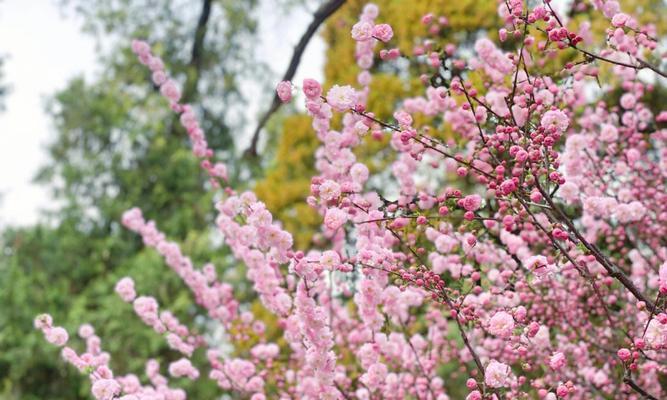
pixel 645 395
pixel 194 67
pixel 322 13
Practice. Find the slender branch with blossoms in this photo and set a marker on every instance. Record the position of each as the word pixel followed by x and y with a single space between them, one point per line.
pixel 525 253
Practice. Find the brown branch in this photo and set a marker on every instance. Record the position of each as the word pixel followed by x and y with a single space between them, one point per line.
pixel 611 269
pixel 193 68
pixel 641 63
pixel 195 64
pixel 630 382
pixel 319 17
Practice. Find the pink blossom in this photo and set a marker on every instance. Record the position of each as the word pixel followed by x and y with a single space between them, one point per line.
pixel 43 321
pixel 474 395
pixel 140 47
pixel 359 173
pixel 557 361
pixel 383 32
pixel 628 101
pixel 125 289
pixel 624 354
pixel 56 335
pixel 105 389
pixel 608 133
pixel 183 368
pixel 375 376
pixel 335 218
pixel 265 351
pixel 330 259
pixel 86 331
pixel 631 212
pixel 620 19
pixel 501 324
pixel 556 119
pixel 472 202
pixel 656 334
pixel 341 98
pixel 284 91
pixel 497 375
pixel 311 88
pixel 170 90
pixel 368 302
pixel 362 31
pixel 329 190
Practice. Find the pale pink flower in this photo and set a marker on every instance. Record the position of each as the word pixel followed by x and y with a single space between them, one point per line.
pixel 341 98
pixel 628 101
pixel 501 324
pixel 329 259
pixel 105 389
pixel 335 218
pixel 359 173
pixel 125 289
pixel 284 91
pixel 556 119
pixel 311 88
pixel 56 335
pixel 375 376
pixel 608 133
pixel 362 31
pixel 497 375
pixel 472 202
pixel 183 368
pixel 383 32
pixel 557 361
pixel 620 19
pixel 43 321
pixel 329 190
pixel 170 90
pixel 86 331
pixel 656 334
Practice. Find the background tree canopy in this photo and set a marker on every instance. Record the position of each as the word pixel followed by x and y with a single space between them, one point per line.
pixel 116 146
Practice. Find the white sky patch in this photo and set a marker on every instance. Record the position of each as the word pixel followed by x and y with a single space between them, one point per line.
pixel 44 50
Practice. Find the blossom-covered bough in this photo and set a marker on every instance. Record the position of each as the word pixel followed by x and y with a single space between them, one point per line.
pixel 525 253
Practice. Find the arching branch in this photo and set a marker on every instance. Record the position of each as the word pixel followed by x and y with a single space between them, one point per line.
pixel 322 13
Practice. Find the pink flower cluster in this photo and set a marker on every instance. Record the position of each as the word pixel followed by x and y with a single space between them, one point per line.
pixel 188 119
pixel 526 247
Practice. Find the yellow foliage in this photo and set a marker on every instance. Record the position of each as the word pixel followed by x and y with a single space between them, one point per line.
pixel 287 183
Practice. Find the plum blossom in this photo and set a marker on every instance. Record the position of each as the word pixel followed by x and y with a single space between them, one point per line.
pixel 341 98
pixel 557 361
pixel 329 190
pixel 501 324
pixel 362 31
pixel 284 91
pixel 555 119
pixel 105 389
pixel 383 32
pixel 472 202
pixel 56 335
pixel 335 218
pixel 497 375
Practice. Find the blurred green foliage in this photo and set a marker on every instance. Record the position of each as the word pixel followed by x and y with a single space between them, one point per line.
pixel 116 146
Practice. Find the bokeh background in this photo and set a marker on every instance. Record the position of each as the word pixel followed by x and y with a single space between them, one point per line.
pixel 84 136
